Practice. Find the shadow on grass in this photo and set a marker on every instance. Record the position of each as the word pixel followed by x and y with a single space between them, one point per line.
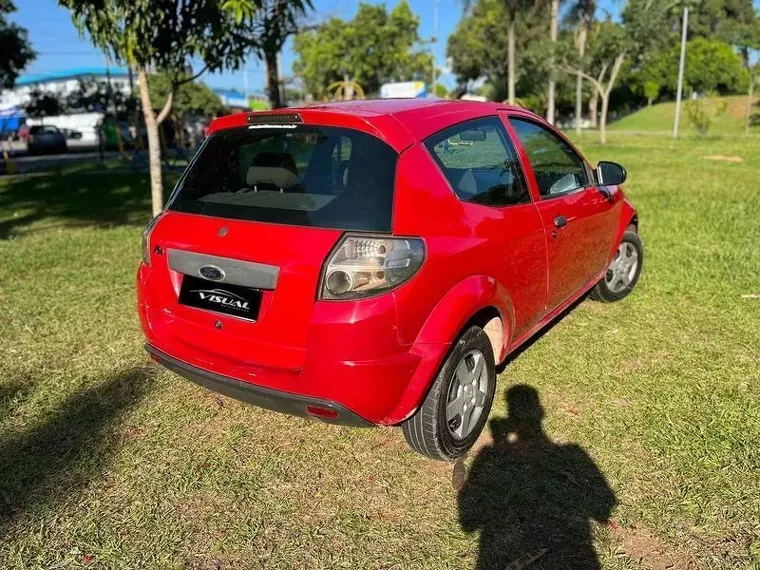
pixel 58 457
pixel 74 199
pixel 531 498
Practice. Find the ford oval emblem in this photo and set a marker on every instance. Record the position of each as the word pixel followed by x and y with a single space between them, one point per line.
pixel 211 272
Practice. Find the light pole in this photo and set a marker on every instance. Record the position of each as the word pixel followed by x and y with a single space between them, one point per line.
pixel 679 89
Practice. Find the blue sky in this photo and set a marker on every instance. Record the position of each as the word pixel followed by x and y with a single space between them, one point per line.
pixel 59 46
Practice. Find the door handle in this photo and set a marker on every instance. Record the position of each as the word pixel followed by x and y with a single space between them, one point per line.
pixel 560 222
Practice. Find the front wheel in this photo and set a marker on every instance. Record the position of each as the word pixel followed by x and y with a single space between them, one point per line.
pixel 456 409
pixel 623 272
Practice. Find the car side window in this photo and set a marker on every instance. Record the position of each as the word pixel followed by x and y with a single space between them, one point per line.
pixel 480 163
pixel 557 167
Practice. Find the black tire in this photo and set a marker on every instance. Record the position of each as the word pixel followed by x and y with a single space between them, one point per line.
pixel 427 431
pixel 602 291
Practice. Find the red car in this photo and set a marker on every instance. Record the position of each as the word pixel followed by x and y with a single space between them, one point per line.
pixel 372 262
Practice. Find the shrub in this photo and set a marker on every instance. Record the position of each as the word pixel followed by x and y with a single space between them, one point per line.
pixel 701 112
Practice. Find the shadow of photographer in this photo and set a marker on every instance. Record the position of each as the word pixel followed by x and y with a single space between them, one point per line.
pixel 530 498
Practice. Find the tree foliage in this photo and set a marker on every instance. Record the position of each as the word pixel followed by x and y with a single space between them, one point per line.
pixel 192 97
pixel 98 96
pixel 375 47
pixel 164 36
pixel 44 104
pixel 479 42
pixel 711 66
pixel 273 25
pixel 15 50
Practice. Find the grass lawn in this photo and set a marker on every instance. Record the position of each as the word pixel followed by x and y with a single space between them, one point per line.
pixel 107 461
pixel 659 118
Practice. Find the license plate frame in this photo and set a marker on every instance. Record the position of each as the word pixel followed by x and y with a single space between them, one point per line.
pixel 223 298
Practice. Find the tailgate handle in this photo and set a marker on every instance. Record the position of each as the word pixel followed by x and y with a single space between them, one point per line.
pixel 233 271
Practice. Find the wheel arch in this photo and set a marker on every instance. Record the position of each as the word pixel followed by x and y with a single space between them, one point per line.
pixel 479 300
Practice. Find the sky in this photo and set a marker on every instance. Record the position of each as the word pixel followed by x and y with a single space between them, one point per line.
pixel 59 47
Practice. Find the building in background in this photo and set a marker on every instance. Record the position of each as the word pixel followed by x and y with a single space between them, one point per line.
pixel 232 98
pixel 62 83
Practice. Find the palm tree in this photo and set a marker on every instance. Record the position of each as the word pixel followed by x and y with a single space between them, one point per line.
pixel 583 11
pixel 513 8
pixel 273 24
pixel 554 27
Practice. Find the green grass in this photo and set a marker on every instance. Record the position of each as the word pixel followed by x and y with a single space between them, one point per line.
pixel 659 119
pixel 107 461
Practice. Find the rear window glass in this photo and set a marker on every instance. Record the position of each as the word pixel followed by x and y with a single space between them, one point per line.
pixel 301 175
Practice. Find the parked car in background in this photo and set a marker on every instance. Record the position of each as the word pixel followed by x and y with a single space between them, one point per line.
pixel 372 262
pixel 71 134
pixel 46 139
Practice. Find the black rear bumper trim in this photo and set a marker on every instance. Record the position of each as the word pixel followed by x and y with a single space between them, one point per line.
pixel 285 402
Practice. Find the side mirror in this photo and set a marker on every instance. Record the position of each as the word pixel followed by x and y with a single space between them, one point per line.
pixel 610 173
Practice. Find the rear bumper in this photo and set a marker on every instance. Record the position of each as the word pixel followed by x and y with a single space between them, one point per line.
pixel 351 359
pixel 293 404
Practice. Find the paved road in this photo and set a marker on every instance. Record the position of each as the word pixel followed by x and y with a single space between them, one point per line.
pixel 35 163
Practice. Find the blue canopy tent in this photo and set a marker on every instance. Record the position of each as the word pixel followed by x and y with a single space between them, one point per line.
pixel 10 121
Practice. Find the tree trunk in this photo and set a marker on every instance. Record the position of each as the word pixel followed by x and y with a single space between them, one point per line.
pixel 603 119
pixel 748 117
pixel 554 26
pixel 582 34
pixel 511 58
pixel 593 105
pixel 605 94
pixel 273 80
pixel 154 144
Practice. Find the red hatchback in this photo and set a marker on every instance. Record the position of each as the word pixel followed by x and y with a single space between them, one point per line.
pixel 372 262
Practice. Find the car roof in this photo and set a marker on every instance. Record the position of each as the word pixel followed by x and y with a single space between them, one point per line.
pixel 397 121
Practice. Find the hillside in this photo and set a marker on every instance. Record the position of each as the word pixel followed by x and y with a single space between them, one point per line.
pixel 659 118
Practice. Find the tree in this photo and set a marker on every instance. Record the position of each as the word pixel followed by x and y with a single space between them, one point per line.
pixel 711 66
pixel 274 23
pixel 477 46
pixel 15 51
pixel 375 47
pixel 582 11
pixel 44 104
pixel 512 9
pixel 651 91
pixel 191 97
pixel 164 35
pixel 608 51
pixel 97 96
pixel 553 31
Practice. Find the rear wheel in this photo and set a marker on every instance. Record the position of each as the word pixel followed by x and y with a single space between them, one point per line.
pixel 456 409
pixel 623 272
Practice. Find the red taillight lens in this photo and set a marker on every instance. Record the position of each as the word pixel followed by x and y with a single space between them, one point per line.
pixel 322 413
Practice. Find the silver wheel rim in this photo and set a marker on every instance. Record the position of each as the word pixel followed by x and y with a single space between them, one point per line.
pixel 622 270
pixel 467 396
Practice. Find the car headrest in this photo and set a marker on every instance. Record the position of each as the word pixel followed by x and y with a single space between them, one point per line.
pixel 277 175
pixel 276 159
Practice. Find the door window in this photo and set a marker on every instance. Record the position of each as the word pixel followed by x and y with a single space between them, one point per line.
pixel 557 167
pixel 480 163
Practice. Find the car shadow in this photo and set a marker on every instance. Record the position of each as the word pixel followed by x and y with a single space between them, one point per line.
pixel 54 458
pixel 533 500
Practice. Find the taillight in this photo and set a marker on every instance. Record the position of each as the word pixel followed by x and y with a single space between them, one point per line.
pixel 364 266
pixel 146 239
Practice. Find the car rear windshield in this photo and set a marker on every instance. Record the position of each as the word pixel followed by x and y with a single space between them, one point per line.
pixel 300 175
